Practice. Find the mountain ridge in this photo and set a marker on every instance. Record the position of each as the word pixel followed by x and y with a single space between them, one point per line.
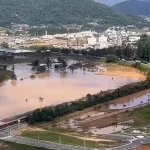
pixel 135 7
pixel 36 12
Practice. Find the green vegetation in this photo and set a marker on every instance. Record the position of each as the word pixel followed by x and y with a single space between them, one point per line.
pixel 4 45
pixel 59 12
pixel 112 59
pixel 5 75
pixel 138 51
pixel 144 48
pixel 57 138
pixel 135 7
pixel 143 114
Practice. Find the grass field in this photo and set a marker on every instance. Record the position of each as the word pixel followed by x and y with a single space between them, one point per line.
pixel 143 114
pixel 59 138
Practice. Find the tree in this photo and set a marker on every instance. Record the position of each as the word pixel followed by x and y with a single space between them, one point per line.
pixel 144 47
pixel 36 63
pixel 48 62
pixel 111 59
pixel 2 78
pixel 4 45
pixel 88 96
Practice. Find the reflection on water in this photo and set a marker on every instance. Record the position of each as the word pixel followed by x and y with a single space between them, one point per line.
pixel 133 100
pixel 54 87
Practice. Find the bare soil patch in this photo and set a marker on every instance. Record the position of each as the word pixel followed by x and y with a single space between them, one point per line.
pixel 145 147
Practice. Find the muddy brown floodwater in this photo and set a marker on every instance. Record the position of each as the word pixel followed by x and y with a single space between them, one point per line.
pixel 54 87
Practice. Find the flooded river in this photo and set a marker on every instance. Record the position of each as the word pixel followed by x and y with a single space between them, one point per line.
pixel 54 87
pixel 133 100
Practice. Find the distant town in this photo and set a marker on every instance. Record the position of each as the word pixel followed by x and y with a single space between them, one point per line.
pixel 113 36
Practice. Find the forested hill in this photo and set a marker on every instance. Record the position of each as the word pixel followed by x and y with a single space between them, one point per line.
pixel 35 12
pixel 135 7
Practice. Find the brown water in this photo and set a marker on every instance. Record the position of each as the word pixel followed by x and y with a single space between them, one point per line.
pixel 54 87
pixel 133 100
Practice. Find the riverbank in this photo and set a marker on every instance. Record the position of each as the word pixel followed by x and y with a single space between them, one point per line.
pixel 145 147
pixel 123 74
pixel 122 70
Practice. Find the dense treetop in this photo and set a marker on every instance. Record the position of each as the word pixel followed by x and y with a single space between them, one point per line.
pixel 57 12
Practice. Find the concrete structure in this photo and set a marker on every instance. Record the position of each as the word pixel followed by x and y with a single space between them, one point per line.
pixel 92 41
pixel 133 39
pixel 103 42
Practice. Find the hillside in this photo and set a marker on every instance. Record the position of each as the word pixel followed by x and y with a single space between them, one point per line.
pixel 55 12
pixel 109 2
pixel 134 7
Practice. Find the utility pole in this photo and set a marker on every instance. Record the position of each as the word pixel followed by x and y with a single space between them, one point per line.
pixel 110 144
pixel 38 136
pixel 84 143
pixel 145 130
pixel 59 140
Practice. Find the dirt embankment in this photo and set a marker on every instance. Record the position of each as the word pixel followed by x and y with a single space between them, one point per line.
pixel 123 71
pixel 123 74
pixel 146 147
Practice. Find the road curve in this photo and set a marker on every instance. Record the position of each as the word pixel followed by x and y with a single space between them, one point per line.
pixel 134 144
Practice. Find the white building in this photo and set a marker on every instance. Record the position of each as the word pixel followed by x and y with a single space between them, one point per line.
pixel 92 41
pixel 70 35
pixel 19 41
pixel 133 39
pixel 103 42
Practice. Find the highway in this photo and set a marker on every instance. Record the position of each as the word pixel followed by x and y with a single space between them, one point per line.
pixel 8 134
pixel 134 144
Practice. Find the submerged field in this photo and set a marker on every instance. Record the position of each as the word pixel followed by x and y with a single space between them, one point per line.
pixel 52 86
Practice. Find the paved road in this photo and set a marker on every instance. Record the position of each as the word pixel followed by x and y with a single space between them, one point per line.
pixel 134 144
pixel 11 129
pixel 7 134
pixel 40 143
pixel 118 137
